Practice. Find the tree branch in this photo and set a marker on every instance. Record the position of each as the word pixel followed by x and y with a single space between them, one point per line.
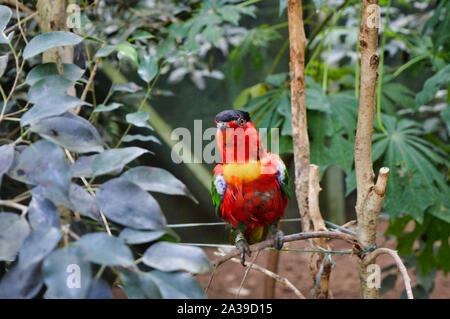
pixel 316 259
pixel 282 280
pixel 352 240
pixel 299 124
pixel 369 196
pixel 371 257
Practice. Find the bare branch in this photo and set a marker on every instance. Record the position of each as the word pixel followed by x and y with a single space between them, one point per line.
pixel 371 257
pixel 300 138
pixel 13 204
pixel 316 260
pixel 282 280
pixel 91 80
pixel 20 5
pixel 352 240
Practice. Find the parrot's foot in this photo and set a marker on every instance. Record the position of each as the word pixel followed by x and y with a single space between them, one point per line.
pixel 242 246
pixel 278 237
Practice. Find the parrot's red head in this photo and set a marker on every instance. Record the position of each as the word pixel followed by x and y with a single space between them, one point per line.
pixel 237 138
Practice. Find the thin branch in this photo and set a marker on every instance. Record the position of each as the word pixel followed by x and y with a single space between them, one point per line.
pixel 13 204
pixel 91 80
pixel 20 4
pixel 371 257
pixel 246 274
pixel 104 220
pixel 22 21
pixel 357 247
pixel 19 23
pixel 282 280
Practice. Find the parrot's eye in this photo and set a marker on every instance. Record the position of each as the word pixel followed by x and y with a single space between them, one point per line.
pixel 241 122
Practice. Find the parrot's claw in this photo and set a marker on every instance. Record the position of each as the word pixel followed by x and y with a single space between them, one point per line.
pixel 242 246
pixel 278 239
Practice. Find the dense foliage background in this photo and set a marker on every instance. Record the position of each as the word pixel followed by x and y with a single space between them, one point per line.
pixel 141 68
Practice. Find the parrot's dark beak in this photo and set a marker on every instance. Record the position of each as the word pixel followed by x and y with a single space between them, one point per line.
pixel 222 125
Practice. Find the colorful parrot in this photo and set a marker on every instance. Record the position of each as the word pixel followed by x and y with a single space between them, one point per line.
pixel 250 188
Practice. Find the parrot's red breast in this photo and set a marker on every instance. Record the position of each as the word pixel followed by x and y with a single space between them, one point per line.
pixel 249 188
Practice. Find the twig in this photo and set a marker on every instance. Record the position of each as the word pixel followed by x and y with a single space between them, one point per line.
pixel 282 280
pixel 357 247
pixel 19 23
pixel 321 273
pixel 91 80
pixel 20 4
pixel 104 220
pixel 246 273
pixel 13 204
pixel 371 257
pixel 31 16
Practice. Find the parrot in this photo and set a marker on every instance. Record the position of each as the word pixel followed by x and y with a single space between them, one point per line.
pixel 250 185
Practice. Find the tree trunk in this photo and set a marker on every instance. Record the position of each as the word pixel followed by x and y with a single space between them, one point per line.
pixel 369 196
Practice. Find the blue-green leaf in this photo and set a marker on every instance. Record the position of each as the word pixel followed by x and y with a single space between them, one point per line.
pixel 127 204
pixel 156 179
pixel 13 231
pixel 106 250
pixel 45 41
pixel 167 256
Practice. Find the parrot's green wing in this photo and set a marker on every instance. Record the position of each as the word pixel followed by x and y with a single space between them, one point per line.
pixel 286 185
pixel 283 178
pixel 217 191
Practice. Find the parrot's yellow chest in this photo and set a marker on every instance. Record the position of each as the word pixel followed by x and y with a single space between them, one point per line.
pixel 241 172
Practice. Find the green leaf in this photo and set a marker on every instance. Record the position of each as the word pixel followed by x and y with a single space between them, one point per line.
pixel 13 231
pixel 42 163
pixel 38 244
pixel 50 85
pixel 21 284
pixel 71 72
pixel 128 51
pixel 432 85
pixel 70 131
pixel 142 35
pixel 6 158
pixel 45 41
pixel 134 236
pixel 104 249
pixel 105 51
pixel 177 285
pixel 167 256
pixel 139 119
pixel 83 166
pixel 3 64
pixel 148 68
pixel 143 138
pixel 127 204
pixel 445 114
pixel 213 34
pixel 107 108
pixel 113 160
pixel 83 202
pixel 414 182
pixel 67 273
pixel 43 214
pixel 156 179
pixel 50 106
pixel 5 16
pixel 99 289
pixel 139 285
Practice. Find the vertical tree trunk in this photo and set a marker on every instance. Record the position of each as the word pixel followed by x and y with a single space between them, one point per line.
pixel 299 125
pixel 269 282
pixel 300 141
pixel 369 196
